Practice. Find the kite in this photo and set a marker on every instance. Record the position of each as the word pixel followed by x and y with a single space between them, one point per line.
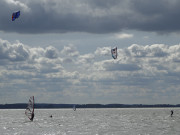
pixel 114 52
pixel 15 15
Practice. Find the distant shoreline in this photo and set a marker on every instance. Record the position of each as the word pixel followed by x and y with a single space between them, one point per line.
pixel 56 106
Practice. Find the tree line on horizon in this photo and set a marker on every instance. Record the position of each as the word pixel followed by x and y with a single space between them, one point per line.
pixel 46 106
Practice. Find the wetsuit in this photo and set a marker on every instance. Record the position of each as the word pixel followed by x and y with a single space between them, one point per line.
pixel 171 113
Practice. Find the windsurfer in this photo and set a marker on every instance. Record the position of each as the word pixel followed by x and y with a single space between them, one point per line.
pixel 32 116
pixel 172 113
pixel 29 112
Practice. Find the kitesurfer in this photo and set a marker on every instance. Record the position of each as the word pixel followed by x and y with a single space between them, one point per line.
pixel 172 113
pixel 32 116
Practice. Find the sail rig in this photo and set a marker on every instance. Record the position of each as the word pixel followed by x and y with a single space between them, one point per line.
pixel 30 108
pixel 74 107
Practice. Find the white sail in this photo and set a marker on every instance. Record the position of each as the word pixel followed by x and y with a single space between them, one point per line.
pixel 30 108
pixel 74 107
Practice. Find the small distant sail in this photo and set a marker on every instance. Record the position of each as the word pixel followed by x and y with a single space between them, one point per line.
pixel 74 107
pixel 114 52
pixel 30 108
pixel 15 15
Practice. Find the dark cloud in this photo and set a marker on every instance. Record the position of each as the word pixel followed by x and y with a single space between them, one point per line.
pixel 158 16
pixel 102 16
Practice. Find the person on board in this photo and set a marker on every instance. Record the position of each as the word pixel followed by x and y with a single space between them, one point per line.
pixel 172 113
pixel 32 116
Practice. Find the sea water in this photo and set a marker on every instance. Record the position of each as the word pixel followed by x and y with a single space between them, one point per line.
pixel 134 121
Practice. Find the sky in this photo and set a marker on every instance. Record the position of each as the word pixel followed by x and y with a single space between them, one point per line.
pixel 60 51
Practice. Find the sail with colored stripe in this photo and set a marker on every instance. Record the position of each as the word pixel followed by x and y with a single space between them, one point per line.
pixel 30 108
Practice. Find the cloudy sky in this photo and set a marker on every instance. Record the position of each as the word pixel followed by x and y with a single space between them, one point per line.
pixel 59 51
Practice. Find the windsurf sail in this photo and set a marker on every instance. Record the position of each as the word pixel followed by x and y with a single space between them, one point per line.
pixel 114 52
pixel 74 107
pixel 30 108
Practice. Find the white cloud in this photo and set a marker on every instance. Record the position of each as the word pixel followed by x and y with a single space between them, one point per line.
pixel 124 36
pixel 85 59
pixel 70 50
pixel 18 4
pixel 148 69
pixel 51 52
pixel 102 51
pixel 15 52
